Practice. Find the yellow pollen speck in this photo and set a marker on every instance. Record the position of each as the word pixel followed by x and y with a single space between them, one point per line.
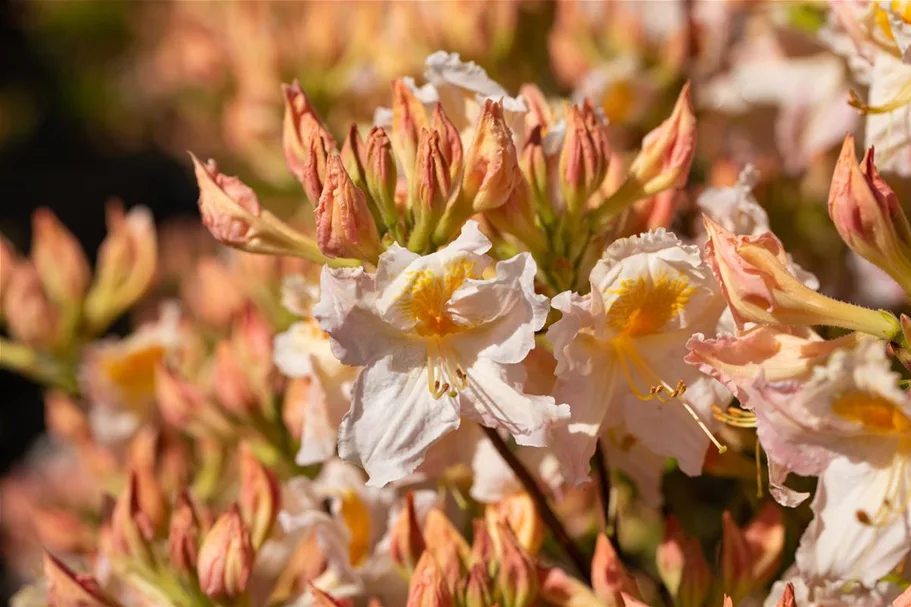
pixel 133 372
pixel 430 292
pixel 874 412
pixel 644 307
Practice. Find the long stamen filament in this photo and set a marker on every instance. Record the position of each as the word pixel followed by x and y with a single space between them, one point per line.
pixel 900 100
pixel 444 374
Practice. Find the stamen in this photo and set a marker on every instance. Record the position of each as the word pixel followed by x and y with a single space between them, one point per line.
pixel 442 366
pixel 735 417
pixel 901 99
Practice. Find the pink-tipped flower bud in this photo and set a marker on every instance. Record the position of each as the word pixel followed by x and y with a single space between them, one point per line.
pixel 306 141
pixel 406 542
pixel 184 535
pixel 259 499
pixel 584 158
pixel 539 115
pixel 408 118
pixel 483 551
pixel 518 218
pixel 559 589
pixel 344 225
pixel 225 557
pixel 231 385
pixel 446 545
pixel 63 530
pixel 450 141
pixel 759 286
pixel 610 579
pixel 736 559
pixel 789 600
pixel 31 318
pixel 66 588
pixel 474 590
pixel 381 176
pixel 517 578
pixel 519 513
pixel 132 528
pixel 537 170
pixel 682 567
pixel 59 259
pixel 490 164
pixel 667 151
pixel 184 405
pixel 431 187
pixel 428 587
pixel 868 216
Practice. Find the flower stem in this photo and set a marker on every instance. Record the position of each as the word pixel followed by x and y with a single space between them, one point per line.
pixel 544 510
pixel 608 510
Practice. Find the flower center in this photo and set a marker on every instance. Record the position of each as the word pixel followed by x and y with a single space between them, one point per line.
pixel 133 373
pixel 618 101
pixel 643 307
pixel 430 294
pixel 356 516
pixel 874 412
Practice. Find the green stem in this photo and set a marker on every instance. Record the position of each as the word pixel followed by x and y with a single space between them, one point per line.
pixel 628 193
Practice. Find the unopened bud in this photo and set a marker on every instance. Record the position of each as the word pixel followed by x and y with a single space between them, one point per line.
pixel 450 142
pixel 183 405
pixel 584 158
pixel 59 259
pixel 354 159
pixel 610 579
pixel 306 141
pixel 539 115
pixel 324 599
pixel 474 590
pixel 408 118
pixel 735 559
pixel 259 498
pixel 381 176
pixel 344 225
pixel 63 530
pixel 231 385
pixel 31 318
pixel 667 152
pixel 517 578
pixel 225 557
pixel 430 191
pixel 428 587
pixel 65 419
pixel 131 528
pixel 557 588
pixel 789 600
pixel 868 216
pixel 184 535
pixel 760 287
pixel 518 218
pixel 66 588
pixel 534 164
pixel 682 567
pixel 765 536
pixel 406 542
pixel 490 164
pixel 447 546
pixel 483 551
pixel 519 513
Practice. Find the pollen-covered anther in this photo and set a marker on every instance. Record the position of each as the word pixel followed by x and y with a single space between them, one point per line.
pixel 732 416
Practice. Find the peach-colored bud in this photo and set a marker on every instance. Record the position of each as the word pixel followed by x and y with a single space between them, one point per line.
pixel 736 559
pixel 127 260
pixel 759 287
pixel 765 536
pixel 31 318
pixel 682 566
pixel 539 115
pixel 381 176
pixel 447 547
pixel 183 405
pixel 65 419
pixel 344 225
pixel 584 158
pixel 228 206
pixel 324 599
pixel 537 171
pixel 252 338
pixel 225 557
pixel 517 578
pixel 408 118
pixel 132 529
pixel 406 542
pixel 66 588
pixel 428 587
pixel 490 164
pixel 59 259
pixel 306 564
pixel 518 512
pixel 431 187
pixel 213 293
pixel 63 530
pixel 474 590
pixel 868 216
pixel 482 548
pixel 667 152
pixel 789 600
pixel 557 588
pixel 518 218
pixel 259 499
pixel 306 141
pixel 610 579
pixel 450 141
pixel 183 535
pixel 231 384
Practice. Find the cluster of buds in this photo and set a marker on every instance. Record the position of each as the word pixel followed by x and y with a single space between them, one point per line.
pixel 50 300
pixel 541 183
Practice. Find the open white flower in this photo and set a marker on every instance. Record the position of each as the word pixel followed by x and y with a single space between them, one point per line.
pixel 437 340
pixel 833 593
pixel 620 351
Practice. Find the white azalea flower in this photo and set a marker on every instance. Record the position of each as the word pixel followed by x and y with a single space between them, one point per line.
pixel 832 593
pixel 888 125
pixel 620 351
pixel 437 341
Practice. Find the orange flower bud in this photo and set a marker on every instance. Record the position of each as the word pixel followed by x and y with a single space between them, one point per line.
pixel 450 141
pixel 63 530
pixel 667 151
pixel 788 599
pixel 482 548
pixel 535 167
pixel 759 287
pixel 31 318
pixel 474 590
pixel 231 385
pixel 518 512
pixel 431 187
pixel 868 216
pixel 65 419
pixel 213 293
pixel 428 587
pixel 259 498
pixel 490 164
pixel 344 225
pixel 584 158
pixel 183 405
pixel 66 588
pixel 682 566
pixel 132 529
pixel 557 588
pixel 539 115
pixel 408 118
pixel 183 535
pixel 610 579
pixel 447 547
pixel 225 557
pixel 126 265
pixel 381 176
pixel 59 259
pixel 517 578
pixel 518 218
pixel 306 141
pixel 406 542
